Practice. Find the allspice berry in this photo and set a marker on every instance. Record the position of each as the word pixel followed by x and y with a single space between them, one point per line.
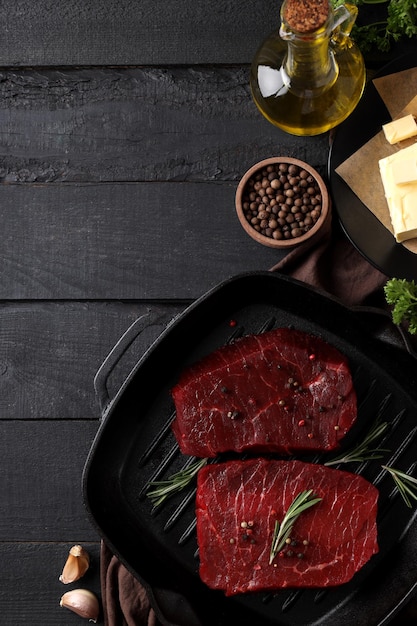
pixel 292 205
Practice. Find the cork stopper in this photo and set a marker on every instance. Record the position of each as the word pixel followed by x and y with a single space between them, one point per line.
pixel 306 16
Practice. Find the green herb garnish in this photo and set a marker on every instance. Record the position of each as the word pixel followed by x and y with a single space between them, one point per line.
pixel 163 489
pixel 364 450
pixel 399 20
pixel 402 294
pixel 406 485
pixel 282 530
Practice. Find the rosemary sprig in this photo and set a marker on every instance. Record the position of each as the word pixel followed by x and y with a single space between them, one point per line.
pixel 163 489
pixel 282 531
pixel 406 485
pixel 364 451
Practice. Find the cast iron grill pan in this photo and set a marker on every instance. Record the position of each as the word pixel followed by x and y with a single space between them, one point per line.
pixel 135 446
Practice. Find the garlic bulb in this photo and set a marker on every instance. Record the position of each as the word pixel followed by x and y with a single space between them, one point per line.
pixel 82 602
pixel 77 564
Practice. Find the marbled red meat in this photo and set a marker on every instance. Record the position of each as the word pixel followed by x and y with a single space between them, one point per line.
pixel 283 391
pixel 238 503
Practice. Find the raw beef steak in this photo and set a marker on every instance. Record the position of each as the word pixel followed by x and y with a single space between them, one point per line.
pixel 282 391
pixel 238 503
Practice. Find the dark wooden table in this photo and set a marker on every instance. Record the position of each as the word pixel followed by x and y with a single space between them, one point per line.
pixel 124 128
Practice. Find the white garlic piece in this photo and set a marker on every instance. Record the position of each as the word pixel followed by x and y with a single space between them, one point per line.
pixel 77 564
pixel 82 602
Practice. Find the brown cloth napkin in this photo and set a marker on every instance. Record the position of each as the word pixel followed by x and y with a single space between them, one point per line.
pixel 125 601
pixel 333 265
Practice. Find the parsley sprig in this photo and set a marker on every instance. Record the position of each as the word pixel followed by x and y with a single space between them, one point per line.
pixel 402 294
pixel 282 530
pixel 399 20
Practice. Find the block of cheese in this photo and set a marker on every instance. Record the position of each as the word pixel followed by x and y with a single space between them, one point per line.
pixel 404 171
pixel 398 130
pixel 401 197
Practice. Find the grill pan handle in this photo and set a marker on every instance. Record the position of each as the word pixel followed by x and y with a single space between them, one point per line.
pixel 390 333
pixel 149 326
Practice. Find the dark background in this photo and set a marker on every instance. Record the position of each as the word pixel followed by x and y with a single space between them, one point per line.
pixel 124 128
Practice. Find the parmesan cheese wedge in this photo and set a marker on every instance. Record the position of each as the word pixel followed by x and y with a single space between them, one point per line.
pixel 398 130
pixel 401 197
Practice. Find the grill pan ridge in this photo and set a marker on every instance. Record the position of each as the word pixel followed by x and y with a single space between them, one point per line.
pixel 135 446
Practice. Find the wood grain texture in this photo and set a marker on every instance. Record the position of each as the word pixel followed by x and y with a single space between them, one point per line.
pixel 141 32
pixel 126 32
pixel 126 241
pixel 143 124
pixel 34 595
pixel 40 490
pixel 51 351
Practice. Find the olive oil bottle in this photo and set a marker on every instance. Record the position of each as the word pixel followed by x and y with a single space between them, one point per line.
pixel 309 76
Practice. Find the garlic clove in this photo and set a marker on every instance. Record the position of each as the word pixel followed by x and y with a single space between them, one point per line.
pixel 77 564
pixel 82 602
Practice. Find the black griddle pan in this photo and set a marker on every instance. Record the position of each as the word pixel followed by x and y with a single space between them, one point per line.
pixel 134 446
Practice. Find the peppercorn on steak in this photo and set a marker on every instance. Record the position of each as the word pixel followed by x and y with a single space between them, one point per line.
pixel 283 391
pixel 240 505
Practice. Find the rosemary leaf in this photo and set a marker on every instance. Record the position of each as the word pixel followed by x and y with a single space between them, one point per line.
pixel 406 485
pixel 282 531
pixel 363 451
pixel 160 490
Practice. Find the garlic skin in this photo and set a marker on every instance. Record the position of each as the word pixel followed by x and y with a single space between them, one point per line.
pixel 82 602
pixel 77 564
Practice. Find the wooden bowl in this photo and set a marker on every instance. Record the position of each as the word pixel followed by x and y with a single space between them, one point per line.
pixel 293 216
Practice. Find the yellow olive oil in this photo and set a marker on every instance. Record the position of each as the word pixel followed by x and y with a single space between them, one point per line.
pixel 306 85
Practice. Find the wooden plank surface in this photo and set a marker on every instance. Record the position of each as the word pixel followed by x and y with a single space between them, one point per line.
pixel 40 490
pixel 30 573
pixel 92 126
pixel 93 241
pixel 142 32
pixel 51 351
pixel 137 124
pixel 126 32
